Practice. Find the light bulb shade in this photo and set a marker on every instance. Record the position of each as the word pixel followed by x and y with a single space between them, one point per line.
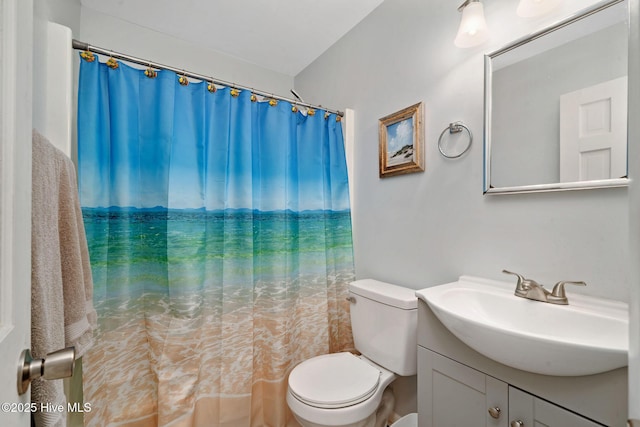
pixel 473 28
pixel 533 8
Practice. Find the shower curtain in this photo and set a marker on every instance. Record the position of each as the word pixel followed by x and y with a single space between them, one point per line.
pixel 219 234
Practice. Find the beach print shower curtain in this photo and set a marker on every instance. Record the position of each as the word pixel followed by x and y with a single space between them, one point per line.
pixel 220 240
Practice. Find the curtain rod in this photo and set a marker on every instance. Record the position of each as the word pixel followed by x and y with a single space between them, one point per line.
pixel 87 47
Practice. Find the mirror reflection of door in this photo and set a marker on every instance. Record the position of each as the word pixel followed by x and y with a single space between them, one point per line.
pixel 593 132
pixel 526 80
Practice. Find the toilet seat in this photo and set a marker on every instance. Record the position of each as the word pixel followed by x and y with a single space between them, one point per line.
pixel 334 381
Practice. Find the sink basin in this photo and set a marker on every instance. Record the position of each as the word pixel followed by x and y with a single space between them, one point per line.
pixel 589 336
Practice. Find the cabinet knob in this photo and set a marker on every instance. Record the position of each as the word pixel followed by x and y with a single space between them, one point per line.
pixel 518 423
pixel 495 412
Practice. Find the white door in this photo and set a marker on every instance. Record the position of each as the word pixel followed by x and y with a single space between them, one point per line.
pixel 16 18
pixel 593 132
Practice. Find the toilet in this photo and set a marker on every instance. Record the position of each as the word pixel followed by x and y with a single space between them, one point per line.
pixel 345 390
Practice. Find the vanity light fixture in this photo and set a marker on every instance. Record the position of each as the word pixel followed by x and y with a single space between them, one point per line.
pixel 473 28
pixel 533 8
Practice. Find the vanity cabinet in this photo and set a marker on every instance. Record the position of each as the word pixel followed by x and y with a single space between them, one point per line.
pixel 452 395
pixel 532 411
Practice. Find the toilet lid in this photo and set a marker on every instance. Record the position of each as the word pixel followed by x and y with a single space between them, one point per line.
pixel 333 381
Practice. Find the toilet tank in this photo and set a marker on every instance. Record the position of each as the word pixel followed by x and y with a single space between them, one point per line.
pixel 384 320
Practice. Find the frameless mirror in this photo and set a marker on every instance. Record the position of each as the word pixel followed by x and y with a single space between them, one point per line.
pixel 556 106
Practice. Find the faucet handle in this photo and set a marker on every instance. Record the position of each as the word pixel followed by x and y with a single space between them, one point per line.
pixel 520 276
pixel 558 295
pixel 521 280
pixel 523 285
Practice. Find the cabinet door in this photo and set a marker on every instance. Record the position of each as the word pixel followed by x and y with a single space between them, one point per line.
pixel 453 395
pixel 531 411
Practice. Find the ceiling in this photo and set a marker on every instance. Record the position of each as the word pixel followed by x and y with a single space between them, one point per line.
pixel 280 35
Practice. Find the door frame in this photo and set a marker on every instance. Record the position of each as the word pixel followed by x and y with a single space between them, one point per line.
pixel 634 211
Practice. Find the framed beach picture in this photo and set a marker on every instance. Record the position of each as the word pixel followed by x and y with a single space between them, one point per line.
pixel 402 142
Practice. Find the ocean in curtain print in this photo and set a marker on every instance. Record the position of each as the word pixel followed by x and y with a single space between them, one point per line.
pixel 191 303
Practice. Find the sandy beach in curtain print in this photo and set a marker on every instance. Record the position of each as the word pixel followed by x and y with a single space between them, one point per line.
pixel 165 315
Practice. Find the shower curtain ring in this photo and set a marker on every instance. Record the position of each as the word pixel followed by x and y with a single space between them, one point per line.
pixel 150 72
pixel 183 79
pixel 111 62
pixel 88 56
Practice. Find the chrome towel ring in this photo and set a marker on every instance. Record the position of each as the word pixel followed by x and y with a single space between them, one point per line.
pixel 455 127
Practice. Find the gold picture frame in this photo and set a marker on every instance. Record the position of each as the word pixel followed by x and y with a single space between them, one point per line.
pixel 401 142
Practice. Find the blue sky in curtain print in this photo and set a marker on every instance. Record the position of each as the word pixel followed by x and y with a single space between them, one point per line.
pixel 158 144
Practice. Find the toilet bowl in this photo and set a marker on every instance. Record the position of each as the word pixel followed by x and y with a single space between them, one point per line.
pixel 338 389
pixel 345 390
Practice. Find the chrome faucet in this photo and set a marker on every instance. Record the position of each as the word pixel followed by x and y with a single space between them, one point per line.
pixel 527 288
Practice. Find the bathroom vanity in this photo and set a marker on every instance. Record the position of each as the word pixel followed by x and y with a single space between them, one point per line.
pixel 458 386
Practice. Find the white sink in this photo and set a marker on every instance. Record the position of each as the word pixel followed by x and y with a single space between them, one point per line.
pixel 588 336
